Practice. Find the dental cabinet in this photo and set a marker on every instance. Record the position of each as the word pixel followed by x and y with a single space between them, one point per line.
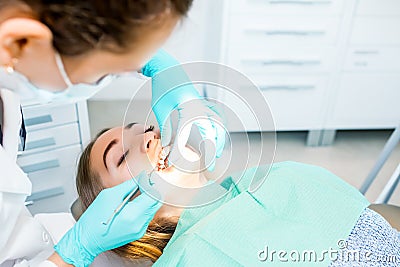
pixel 323 65
pixel 56 135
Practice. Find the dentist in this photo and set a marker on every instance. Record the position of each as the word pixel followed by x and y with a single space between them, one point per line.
pixel 67 51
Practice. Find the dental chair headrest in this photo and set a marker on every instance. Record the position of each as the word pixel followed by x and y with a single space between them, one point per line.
pixel 77 209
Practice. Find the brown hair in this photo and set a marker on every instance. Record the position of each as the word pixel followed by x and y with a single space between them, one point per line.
pixel 80 26
pixel 159 231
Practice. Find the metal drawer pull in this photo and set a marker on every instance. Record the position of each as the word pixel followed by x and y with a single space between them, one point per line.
pixel 41 166
pixel 283 62
pixel 28 203
pixel 41 143
pixel 38 120
pixel 288 32
pixel 299 2
pixel 286 87
pixel 45 194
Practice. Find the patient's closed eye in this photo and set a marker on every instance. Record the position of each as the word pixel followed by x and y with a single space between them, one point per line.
pixel 149 129
pixel 122 158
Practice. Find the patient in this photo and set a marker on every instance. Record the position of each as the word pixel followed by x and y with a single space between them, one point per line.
pixel 110 160
pixel 104 163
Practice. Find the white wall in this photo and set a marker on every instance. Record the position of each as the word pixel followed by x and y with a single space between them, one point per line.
pixel 196 38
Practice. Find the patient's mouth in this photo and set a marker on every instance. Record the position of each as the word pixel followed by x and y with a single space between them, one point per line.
pixel 163 163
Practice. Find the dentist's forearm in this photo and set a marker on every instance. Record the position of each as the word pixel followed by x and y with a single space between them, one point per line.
pixel 57 260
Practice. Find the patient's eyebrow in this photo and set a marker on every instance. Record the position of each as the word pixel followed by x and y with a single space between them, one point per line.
pixel 109 146
pixel 129 125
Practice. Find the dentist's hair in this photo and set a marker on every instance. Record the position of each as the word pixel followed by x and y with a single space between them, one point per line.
pixel 80 26
pixel 159 231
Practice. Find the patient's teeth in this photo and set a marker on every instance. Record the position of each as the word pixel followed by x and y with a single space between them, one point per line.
pixel 163 161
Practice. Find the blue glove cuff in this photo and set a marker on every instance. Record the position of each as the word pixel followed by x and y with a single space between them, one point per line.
pixel 170 85
pixel 159 62
pixel 72 251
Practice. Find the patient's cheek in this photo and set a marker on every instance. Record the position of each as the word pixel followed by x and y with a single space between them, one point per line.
pixel 122 176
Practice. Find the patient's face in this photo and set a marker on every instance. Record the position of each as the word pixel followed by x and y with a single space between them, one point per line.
pixel 122 152
pixel 125 151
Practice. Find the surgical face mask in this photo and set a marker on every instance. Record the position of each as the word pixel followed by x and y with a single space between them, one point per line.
pixel 31 93
pixel 82 90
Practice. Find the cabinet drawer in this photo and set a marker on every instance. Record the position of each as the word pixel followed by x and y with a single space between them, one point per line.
pixel 37 117
pixel 292 7
pixel 49 160
pixel 51 138
pixel 295 102
pixel 43 182
pixel 54 204
pixel 367 101
pixel 247 31
pixel 55 196
pixel 373 59
pixel 261 59
pixel 53 179
pixel 378 7
pixel 376 31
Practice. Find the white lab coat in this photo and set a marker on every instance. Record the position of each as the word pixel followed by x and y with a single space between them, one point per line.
pixel 27 241
pixel 21 237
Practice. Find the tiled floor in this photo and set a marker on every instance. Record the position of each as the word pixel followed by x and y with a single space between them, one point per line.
pixel 351 157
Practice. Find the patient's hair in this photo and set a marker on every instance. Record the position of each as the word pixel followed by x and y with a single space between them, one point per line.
pixel 159 231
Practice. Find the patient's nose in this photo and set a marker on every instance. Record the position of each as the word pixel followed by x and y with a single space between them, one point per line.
pixel 149 137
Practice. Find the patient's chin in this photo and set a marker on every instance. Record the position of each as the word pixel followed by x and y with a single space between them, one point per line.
pixel 182 178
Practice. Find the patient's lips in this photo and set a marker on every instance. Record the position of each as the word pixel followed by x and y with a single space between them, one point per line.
pixel 158 156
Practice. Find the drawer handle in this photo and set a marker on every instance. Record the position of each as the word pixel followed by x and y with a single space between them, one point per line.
pixel 28 203
pixel 41 143
pixel 38 120
pixel 366 52
pixel 45 194
pixel 290 32
pixel 284 62
pixel 286 87
pixel 41 166
pixel 361 63
pixel 300 2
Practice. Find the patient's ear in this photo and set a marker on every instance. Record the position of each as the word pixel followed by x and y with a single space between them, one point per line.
pixel 20 37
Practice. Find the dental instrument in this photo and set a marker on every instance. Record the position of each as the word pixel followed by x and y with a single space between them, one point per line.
pixel 125 201
pixel 122 205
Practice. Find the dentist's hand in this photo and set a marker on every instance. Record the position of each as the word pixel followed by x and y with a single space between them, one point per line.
pixel 89 237
pixel 173 90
